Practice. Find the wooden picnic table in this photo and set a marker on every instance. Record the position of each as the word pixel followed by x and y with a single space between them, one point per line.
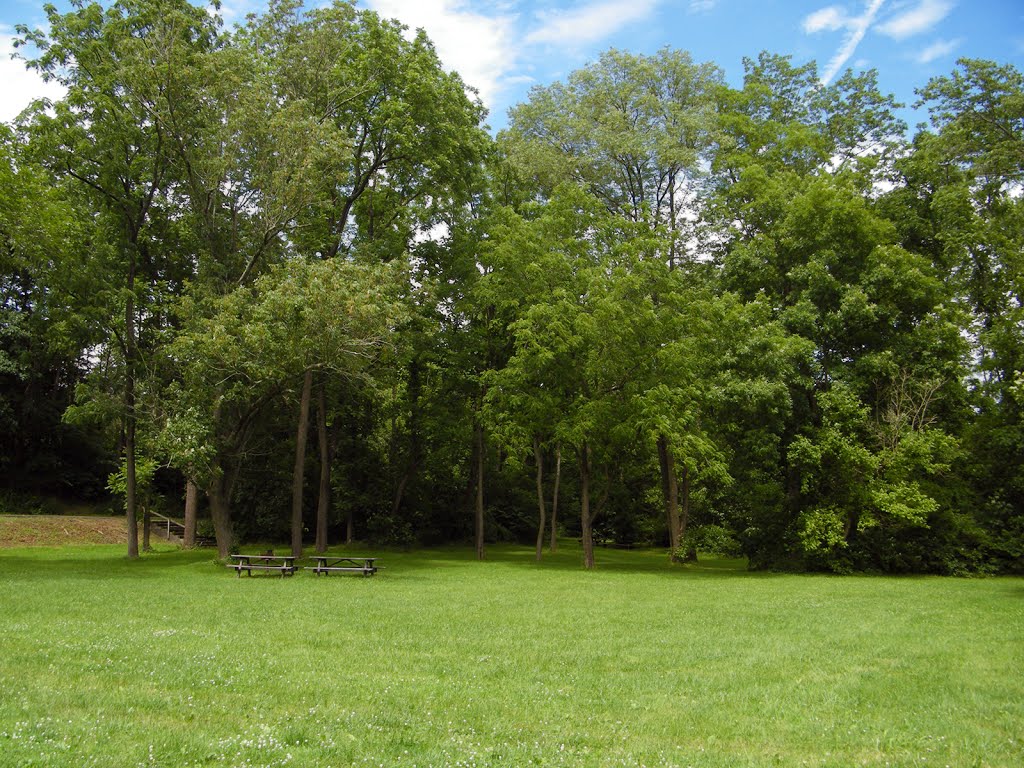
pixel 285 564
pixel 327 564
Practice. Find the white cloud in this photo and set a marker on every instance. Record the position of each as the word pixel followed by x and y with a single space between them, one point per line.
pixel 921 18
pixel 833 19
pixel 702 6
pixel 21 86
pixel 589 23
pixel 480 47
pixel 937 50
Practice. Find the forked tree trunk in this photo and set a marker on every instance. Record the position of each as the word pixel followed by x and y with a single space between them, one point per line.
pixel 585 517
pixel 670 494
pixel 191 514
pixel 301 435
pixel 219 494
pixel 324 497
pixel 479 506
pixel 554 499
pixel 542 507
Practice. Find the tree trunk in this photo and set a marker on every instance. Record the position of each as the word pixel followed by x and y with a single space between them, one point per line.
pixel 672 223
pixel 301 435
pixel 691 552
pixel 146 522
pixel 479 507
pixel 670 494
pixel 396 504
pixel 129 417
pixel 585 516
pixel 130 505
pixel 324 499
pixel 219 494
pixel 542 507
pixel 191 514
pixel 414 435
pixel 554 499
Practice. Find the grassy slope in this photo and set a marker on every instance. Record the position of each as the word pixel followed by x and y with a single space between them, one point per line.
pixel 439 660
pixel 57 530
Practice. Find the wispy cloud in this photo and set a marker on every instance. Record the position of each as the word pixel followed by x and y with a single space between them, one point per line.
pixel 921 18
pixel 937 50
pixel 702 6
pixel 481 47
pixel 590 22
pixel 833 19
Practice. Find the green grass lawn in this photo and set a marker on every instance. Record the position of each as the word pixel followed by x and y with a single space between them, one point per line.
pixel 439 660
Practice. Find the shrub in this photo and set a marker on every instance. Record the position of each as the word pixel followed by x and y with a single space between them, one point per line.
pixel 713 539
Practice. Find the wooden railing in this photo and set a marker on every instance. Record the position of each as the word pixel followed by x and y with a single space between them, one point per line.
pixel 163 521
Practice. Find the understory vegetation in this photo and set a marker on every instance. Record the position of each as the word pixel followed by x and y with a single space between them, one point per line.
pixel 280 280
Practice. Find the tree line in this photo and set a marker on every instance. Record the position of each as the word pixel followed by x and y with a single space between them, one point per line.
pixel 282 274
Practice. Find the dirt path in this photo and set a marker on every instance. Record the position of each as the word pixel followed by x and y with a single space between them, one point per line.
pixel 57 530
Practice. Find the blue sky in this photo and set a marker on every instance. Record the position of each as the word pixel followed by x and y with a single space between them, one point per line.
pixel 503 47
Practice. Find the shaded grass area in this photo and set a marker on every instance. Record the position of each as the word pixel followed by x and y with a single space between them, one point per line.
pixel 440 660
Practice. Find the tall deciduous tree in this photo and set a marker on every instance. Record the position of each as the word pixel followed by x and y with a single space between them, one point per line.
pixel 801 229
pixel 255 347
pixel 965 180
pixel 108 134
pixel 634 131
pixel 398 142
pixel 578 320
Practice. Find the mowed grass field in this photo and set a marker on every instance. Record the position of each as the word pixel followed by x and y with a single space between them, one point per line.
pixel 443 661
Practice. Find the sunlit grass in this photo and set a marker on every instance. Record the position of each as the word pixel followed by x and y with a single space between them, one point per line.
pixel 440 660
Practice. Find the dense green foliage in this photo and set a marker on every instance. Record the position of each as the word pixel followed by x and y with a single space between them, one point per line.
pixel 761 311
pixel 439 660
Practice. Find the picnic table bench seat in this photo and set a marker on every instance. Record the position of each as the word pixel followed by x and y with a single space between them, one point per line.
pixel 328 564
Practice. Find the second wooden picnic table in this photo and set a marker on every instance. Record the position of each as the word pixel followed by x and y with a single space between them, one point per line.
pixel 327 564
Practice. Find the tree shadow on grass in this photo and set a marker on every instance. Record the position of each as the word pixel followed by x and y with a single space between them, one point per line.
pixel 99 563
pixel 569 558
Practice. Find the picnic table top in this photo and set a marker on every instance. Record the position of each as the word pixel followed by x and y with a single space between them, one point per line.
pixel 264 557
pixel 342 557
